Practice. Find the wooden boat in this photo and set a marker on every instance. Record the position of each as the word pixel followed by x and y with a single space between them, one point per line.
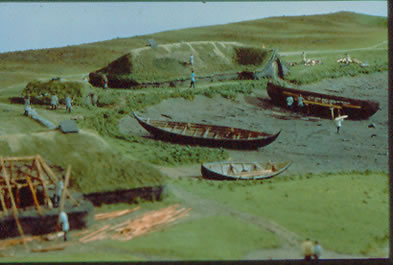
pixel 209 135
pixel 242 171
pixel 323 105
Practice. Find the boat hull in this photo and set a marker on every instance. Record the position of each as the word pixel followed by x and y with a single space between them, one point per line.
pixel 219 142
pixel 209 173
pixel 320 104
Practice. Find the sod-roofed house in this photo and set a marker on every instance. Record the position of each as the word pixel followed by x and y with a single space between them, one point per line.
pixel 170 65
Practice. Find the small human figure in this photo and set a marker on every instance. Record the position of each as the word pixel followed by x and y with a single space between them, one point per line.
pixel 27 105
pixel 317 250
pixel 63 221
pixel 304 60
pixel 59 191
pixel 105 82
pixel 307 248
pixel 68 102
pixel 339 121
pixel 192 59
pixel 348 58
pixel 300 102
pixel 290 102
pixel 192 80
pixel 54 100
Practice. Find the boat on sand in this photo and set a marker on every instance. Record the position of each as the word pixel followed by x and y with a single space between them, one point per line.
pixel 322 105
pixel 242 170
pixel 204 134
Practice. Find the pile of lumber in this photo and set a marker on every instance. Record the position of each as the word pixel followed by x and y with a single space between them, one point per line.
pixel 17 241
pixel 131 228
pixel 114 214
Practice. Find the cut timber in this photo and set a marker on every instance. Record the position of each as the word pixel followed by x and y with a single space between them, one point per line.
pixel 34 195
pixel 49 171
pixel 3 202
pixel 54 248
pixel 14 210
pixel 40 175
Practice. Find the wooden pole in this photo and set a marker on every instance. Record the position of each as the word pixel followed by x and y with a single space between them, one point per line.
pixel 3 202
pixel 34 194
pixel 11 170
pixel 50 173
pixel 39 171
pixel 14 210
pixel 63 194
pixel 22 158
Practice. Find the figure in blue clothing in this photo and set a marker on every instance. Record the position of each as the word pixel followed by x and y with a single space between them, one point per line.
pixel 63 221
pixel 68 102
pixel 192 59
pixel 27 105
pixel 59 191
pixel 192 80
pixel 300 103
pixel 53 102
pixel 290 102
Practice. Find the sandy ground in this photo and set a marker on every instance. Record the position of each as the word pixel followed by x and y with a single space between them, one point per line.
pixel 312 144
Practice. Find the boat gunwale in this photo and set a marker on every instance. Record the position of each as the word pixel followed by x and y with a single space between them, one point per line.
pixel 251 139
pixel 285 166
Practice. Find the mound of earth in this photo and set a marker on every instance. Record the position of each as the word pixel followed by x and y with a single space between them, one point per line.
pixel 96 167
pixel 311 143
pixel 171 63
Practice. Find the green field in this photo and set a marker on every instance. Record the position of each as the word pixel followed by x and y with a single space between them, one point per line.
pixel 310 206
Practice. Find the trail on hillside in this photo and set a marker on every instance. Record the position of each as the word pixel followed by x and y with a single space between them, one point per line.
pixel 213 208
pixel 374 47
pixel 290 248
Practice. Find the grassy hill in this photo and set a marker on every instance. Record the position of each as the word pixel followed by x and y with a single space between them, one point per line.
pixel 172 61
pixel 330 31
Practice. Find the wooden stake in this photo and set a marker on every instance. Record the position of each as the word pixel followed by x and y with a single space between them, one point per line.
pixel 62 200
pixel 19 158
pixel 3 202
pixel 11 170
pixel 34 194
pixel 14 210
pixel 48 170
pixel 39 171
pixel 50 173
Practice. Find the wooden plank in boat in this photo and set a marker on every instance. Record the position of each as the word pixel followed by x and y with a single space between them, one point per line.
pixel 206 132
pixel 255 173
pixel 352 106
pixel 308 102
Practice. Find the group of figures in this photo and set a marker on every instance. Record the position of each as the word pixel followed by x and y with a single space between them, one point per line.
pixel 55 100
pixel 53 103
pixel 311 250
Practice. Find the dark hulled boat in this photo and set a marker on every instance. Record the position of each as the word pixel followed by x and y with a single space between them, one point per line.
pixel 207 135
pixel 323 105
pixel 242 170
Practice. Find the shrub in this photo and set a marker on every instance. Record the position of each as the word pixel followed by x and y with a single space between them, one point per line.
pixel 42 91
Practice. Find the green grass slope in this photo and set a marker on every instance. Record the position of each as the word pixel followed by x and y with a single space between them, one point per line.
pixel 341 30
pixel 96 166
pixel 171 61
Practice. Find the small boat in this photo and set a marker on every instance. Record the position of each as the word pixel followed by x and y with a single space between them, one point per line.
pixel 242 171
pixel 208 135
pixel 323 105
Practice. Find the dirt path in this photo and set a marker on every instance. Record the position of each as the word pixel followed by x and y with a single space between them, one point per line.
pixel 290 248
pixel 374 47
